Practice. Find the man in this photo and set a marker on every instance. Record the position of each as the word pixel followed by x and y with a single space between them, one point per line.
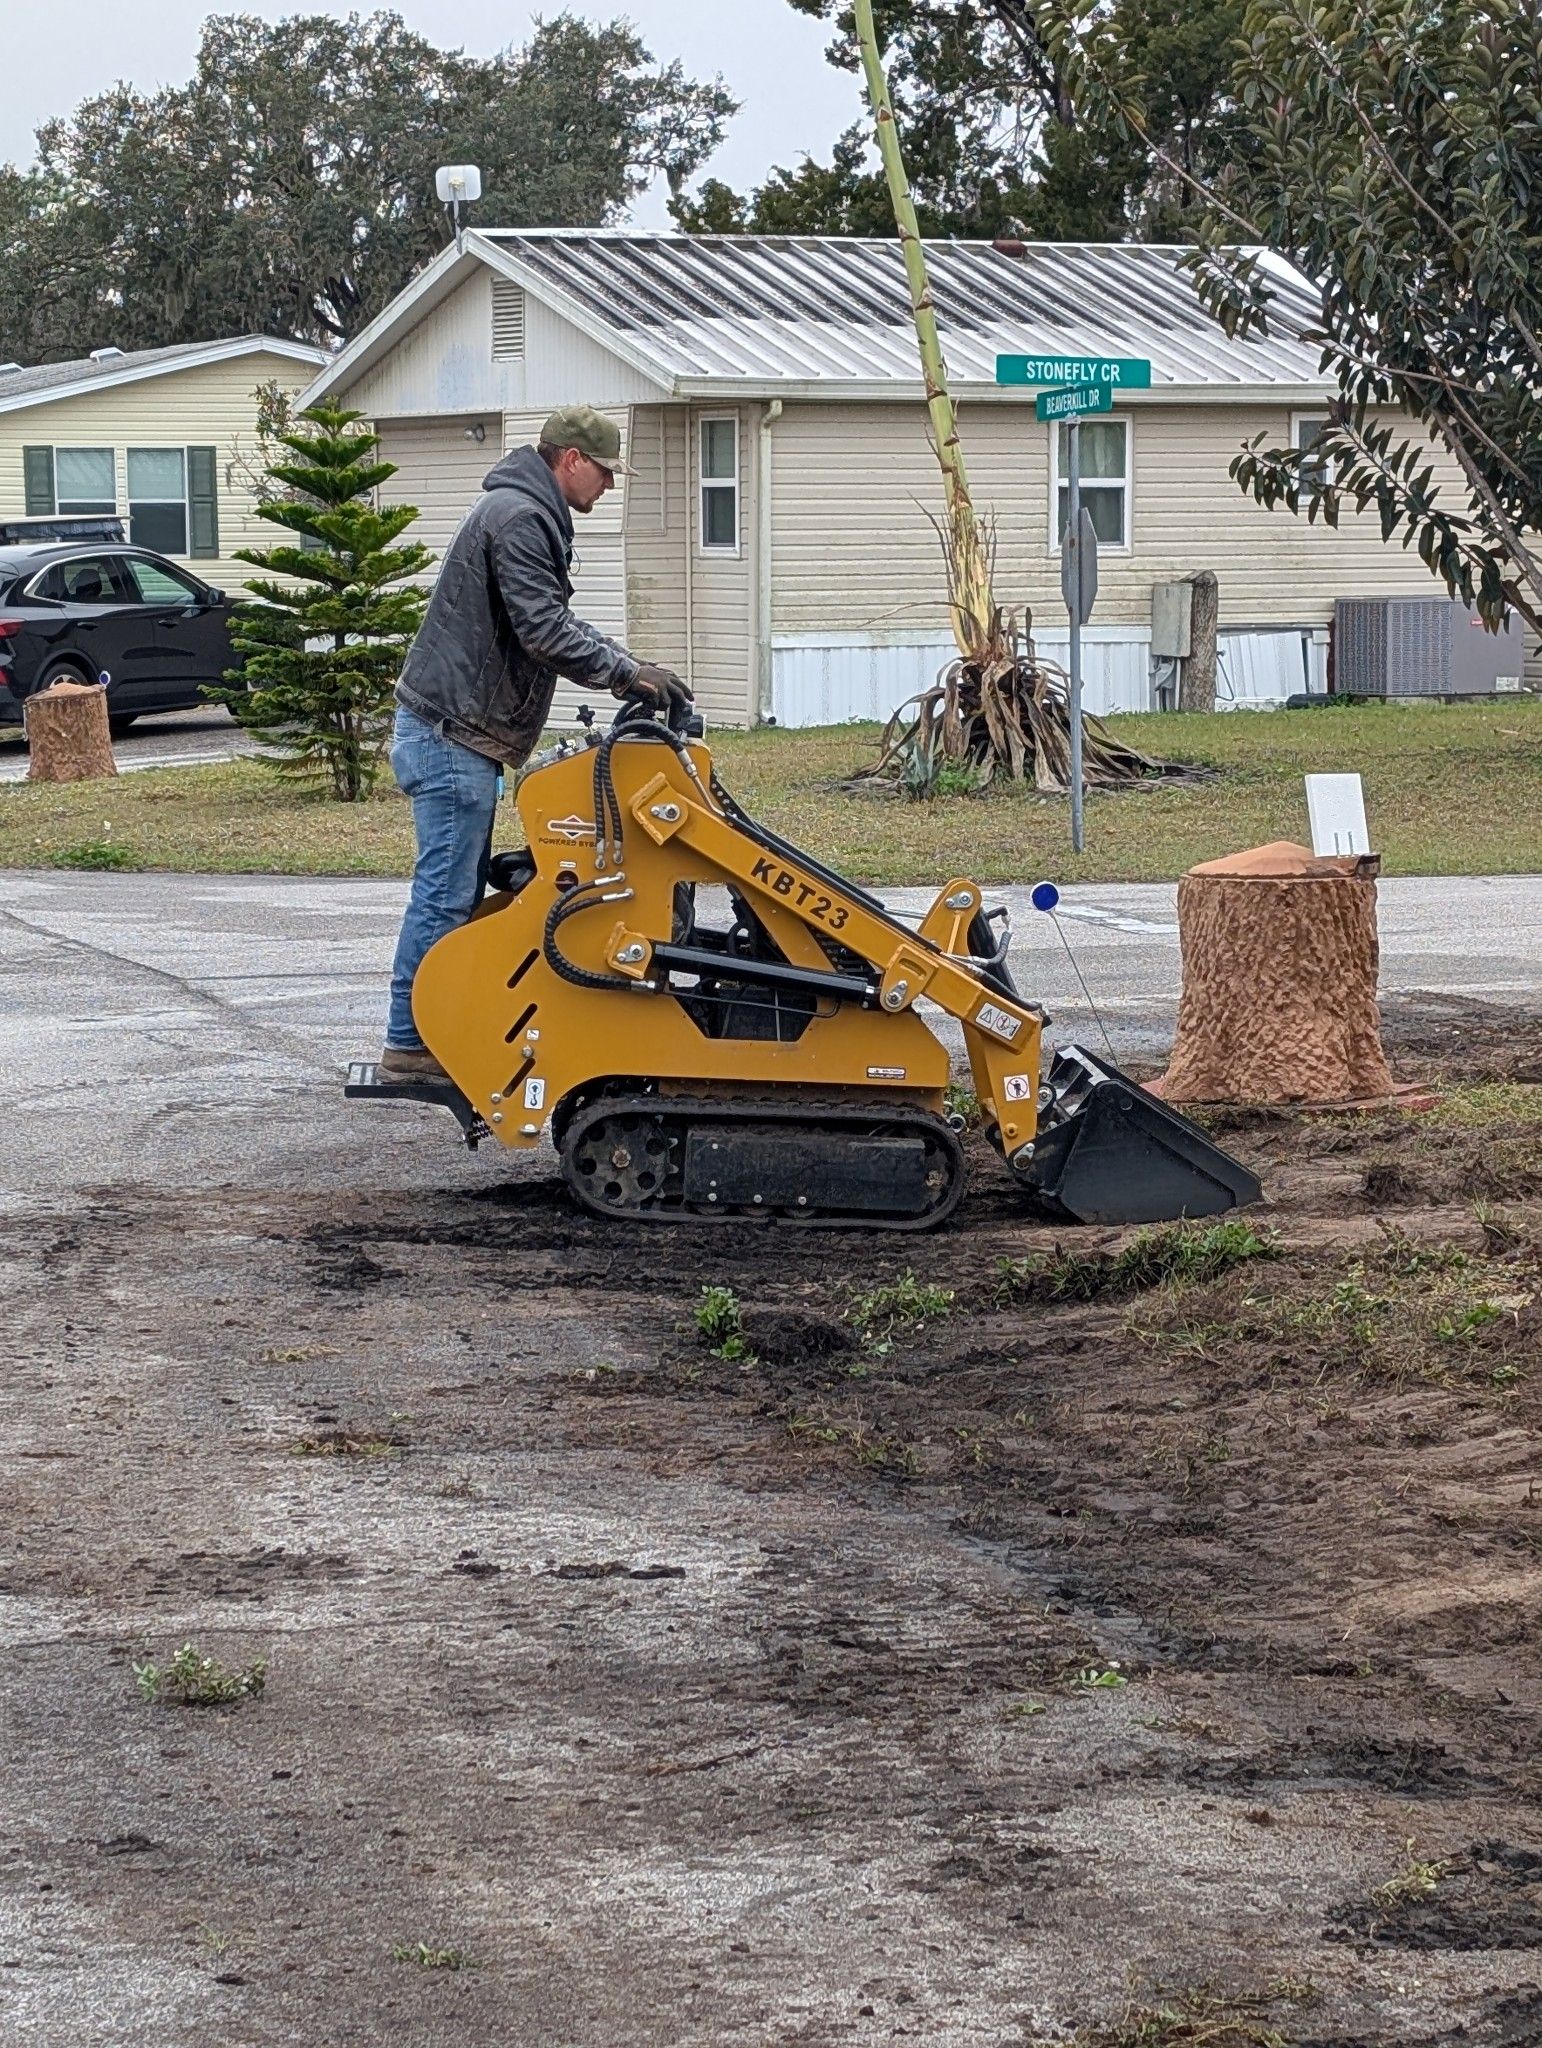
pixel 478 681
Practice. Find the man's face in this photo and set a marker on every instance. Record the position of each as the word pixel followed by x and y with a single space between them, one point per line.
pixel 581 480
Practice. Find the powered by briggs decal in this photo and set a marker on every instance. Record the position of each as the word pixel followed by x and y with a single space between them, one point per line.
pixel 571 829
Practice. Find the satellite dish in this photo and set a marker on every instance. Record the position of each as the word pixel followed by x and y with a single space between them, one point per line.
pixel 458 184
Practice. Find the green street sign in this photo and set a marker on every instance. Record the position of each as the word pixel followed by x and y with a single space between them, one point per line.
pixel 1071 404
pixel 1124 373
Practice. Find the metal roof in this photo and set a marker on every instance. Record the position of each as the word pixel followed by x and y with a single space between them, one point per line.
pixel 766 309
pixel 57 379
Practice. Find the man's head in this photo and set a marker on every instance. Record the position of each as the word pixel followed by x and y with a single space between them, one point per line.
pixel 582 449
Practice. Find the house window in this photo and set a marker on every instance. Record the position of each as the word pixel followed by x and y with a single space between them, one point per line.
pixel 84 480
pixel 1105 480
pixel 1306 430
pixel 157 499
pixel 719 447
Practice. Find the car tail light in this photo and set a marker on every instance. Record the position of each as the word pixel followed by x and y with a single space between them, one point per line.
pixel 9 628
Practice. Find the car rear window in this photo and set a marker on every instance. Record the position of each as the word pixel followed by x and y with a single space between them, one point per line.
pixel 85 579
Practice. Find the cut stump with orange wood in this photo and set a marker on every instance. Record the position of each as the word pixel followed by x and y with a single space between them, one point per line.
pixel 67 733
pixel 1280 957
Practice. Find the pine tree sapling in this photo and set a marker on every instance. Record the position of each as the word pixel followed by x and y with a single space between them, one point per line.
pixel 321 649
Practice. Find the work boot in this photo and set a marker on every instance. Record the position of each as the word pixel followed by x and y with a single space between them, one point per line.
pixel 401 1063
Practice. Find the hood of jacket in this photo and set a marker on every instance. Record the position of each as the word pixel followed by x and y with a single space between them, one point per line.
pixel 522 470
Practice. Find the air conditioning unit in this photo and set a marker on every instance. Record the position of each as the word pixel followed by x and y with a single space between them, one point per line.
pixel 1422 647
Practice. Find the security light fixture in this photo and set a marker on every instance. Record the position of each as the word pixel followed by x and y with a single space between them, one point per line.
pixel 457 185
pixel 476 433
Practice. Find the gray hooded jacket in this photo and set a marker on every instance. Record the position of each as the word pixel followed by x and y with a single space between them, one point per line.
pixel 498 631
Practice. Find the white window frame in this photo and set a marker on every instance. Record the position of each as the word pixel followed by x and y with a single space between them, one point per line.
pixel 84 448
pixel 1111 419
pixel 165 448
pixel 1299 419
pixel 704 483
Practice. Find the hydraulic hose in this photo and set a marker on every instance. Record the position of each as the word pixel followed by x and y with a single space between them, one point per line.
pixel 586 897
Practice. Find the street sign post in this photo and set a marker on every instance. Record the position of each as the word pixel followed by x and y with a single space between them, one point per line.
pixel 1070 404
pixel 1071 385
pixel 1079 584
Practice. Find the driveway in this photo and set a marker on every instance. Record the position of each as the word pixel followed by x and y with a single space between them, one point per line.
pixel 171 741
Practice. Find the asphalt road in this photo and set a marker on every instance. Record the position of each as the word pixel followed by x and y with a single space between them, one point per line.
pixel 165 741
pixel 200 1024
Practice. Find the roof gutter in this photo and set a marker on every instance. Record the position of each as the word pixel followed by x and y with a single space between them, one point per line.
pixel 870 390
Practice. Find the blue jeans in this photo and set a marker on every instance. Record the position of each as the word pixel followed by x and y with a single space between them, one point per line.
pixel 454 794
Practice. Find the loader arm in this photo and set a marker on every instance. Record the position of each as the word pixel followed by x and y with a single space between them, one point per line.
pixel 1001 1036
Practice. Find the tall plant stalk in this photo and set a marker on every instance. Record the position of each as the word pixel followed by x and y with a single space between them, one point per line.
pixel 996 707
pixel 976 623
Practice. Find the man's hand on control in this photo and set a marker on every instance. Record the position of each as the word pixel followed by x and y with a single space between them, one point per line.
pixel 661 684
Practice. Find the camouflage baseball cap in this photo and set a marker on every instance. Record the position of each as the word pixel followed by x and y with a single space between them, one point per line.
pixel 591 433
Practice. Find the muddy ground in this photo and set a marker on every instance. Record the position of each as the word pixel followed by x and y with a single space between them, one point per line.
pixel 1097 1654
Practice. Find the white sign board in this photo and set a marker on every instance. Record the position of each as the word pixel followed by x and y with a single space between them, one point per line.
pixel 1336 806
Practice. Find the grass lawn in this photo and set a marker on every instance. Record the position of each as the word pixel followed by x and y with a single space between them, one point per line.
pixel 1449 790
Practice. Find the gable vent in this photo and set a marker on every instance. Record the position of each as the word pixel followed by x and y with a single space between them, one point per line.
pixel 508 320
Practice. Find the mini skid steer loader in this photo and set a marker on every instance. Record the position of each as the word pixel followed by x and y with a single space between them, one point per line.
pixel 773 1064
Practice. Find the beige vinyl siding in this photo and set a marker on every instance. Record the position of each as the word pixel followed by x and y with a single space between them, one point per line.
pixel 656 624
pixel 439 470
pixel 722 584
pixel 445 364
pixel 853 548
pixel 208 406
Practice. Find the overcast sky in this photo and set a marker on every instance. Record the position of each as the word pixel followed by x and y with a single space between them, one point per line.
pixel 59 52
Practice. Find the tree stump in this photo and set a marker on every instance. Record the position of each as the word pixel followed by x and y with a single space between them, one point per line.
pixel 1280 956
pixel 1196 685
pixel 67 733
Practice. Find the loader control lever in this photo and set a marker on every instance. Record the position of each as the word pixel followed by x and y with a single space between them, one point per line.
pixel 682 718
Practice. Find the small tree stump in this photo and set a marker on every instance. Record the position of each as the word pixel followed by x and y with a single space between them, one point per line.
pixel 1196 685
pixel 1280 957
pixel 67 733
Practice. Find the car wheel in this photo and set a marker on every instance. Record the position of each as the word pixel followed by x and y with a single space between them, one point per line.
pixel 119 722
pixel 61 672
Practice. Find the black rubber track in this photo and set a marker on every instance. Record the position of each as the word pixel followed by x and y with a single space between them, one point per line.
pixel 648 1190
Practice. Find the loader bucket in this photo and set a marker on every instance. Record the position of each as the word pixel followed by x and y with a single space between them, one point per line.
pixel 1107 1152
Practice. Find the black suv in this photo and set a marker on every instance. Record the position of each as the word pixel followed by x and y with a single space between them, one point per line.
pixel 94 610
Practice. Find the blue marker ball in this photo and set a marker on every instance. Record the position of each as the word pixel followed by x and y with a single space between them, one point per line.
pixel 1045 896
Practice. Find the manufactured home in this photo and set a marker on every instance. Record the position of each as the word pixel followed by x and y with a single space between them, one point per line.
pixel 777 544
pixel 163 438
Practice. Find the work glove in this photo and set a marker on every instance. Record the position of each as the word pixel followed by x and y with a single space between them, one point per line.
pixel 666 689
